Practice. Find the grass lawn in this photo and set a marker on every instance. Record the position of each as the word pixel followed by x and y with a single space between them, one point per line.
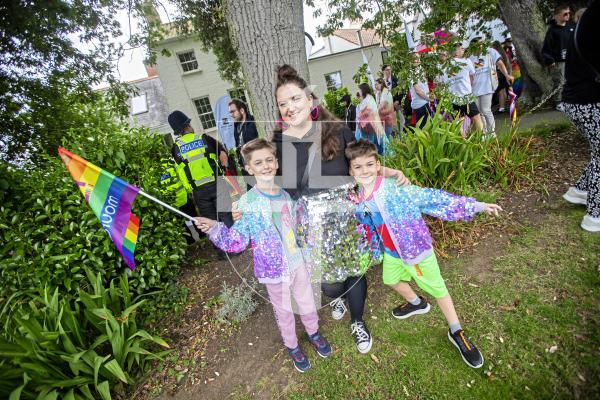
pixel 534 315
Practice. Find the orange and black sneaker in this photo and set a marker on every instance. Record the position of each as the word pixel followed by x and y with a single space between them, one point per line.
pixel 469 353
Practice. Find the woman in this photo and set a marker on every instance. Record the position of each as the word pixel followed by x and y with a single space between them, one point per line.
pixel 581 103
pixel 503 84
pixel 385 107
pixel 368 123
pixel 310 146
pixel 485 81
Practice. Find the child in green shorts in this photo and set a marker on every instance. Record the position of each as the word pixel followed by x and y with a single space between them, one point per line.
pixel 392 217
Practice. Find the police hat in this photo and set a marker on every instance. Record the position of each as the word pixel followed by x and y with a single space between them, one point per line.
pixel 178 121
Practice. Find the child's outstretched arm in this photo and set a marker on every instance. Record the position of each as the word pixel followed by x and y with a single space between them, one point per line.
pixel 231 240
pixel 448 206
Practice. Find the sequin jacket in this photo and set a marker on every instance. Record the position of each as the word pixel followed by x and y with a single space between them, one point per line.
pixel 256 227
pixel 401 208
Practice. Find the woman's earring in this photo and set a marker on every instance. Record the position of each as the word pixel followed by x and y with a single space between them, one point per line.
pixel 314 113
pixel 281 124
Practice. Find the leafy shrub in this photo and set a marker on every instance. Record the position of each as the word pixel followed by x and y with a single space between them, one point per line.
pixel 333 101
pixel 237 303
pixel 75 347
pixel 49 234
pixel 438 156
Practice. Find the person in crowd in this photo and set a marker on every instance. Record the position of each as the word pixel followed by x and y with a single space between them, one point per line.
pixel 556 43
pixel 268 224
pixel 581 103
pixel 503 84
pixel 459 80
pixel 385 106
pixel 389 80
pixel 244 131
pixel 420 97
pixel 199 160
pixel 393 219
pixel 368 123
pixel 350 112
pixel 485 82
pixel 313 141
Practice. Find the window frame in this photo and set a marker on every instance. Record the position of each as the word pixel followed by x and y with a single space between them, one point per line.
pixel 209 113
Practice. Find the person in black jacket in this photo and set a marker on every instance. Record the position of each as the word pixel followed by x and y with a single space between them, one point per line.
pixel 558 36
pixel 581 103
pixel 350 112
pixel 310 146
pixel 244 131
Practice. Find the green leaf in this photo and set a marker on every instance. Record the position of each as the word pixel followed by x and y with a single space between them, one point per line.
pixel 104 390
pixel 113 367
pixel 16 394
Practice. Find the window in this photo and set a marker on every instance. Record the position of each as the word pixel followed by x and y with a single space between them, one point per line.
pixel 238 93
pixel 139 104
pixel 384 57
pixel 188 61
pixel 205 112
pixel 333 81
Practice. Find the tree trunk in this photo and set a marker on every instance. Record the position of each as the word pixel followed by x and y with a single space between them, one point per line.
pixel 526 24
pixel 266 33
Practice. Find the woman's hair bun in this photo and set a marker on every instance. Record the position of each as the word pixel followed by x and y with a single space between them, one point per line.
pixel 286 73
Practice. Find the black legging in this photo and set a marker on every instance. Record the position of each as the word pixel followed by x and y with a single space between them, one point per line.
pixel 354 290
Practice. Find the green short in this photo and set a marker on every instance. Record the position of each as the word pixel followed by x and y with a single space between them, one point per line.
pixel 426 274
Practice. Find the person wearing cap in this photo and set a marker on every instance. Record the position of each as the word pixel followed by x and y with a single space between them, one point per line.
pixel 199 168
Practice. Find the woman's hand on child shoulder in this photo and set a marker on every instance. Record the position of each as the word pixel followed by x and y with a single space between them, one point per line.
pixel 492 209
pixel 235 212
pixel 204 224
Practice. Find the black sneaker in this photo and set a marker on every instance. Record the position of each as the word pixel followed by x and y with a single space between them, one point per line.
pixel 408 310
pixel 469 353
pixel 363 338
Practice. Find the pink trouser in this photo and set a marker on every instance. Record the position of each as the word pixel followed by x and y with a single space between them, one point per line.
pixel 280 295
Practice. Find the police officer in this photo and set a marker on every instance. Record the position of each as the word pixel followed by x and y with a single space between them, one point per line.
pixel 171 186
pixel 198 158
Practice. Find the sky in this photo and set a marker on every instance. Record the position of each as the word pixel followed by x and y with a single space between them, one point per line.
pixel 131 67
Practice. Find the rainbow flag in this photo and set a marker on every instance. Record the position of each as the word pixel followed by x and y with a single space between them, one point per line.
pixel 516 73
pixel 110 197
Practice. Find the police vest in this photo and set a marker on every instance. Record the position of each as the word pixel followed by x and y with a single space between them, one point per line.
pixel 171 183
pixel 195 164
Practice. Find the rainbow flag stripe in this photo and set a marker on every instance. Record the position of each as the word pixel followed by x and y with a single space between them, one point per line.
pixel 110 198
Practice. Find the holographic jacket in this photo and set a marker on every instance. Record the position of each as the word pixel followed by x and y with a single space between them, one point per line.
pixel 257 227
pixel 401 208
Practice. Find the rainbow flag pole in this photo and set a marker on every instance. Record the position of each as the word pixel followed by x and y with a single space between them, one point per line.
pixel 110 198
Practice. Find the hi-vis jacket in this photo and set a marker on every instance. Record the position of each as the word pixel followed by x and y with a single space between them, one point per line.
pixel 170 183
pixel 196 158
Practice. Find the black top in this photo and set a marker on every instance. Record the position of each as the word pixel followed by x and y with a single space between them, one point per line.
pixel 243 133
pixel 293 154
pixel 581 81
pixel 351 117
pixel 556 42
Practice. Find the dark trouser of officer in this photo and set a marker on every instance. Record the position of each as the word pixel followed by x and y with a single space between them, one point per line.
pixel 211 197
pixel 193 234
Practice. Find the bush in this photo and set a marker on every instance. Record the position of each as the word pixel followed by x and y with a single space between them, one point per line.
pixel 333 101
pixel 438 156
pixel 49 234
pixel 77 347
pixel 237 303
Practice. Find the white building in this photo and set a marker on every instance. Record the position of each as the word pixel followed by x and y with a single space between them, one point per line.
pixel 192 84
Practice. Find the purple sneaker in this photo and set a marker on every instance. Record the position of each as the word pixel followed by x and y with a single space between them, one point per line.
pixel 301 363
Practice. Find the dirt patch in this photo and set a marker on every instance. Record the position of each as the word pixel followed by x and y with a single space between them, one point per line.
pixel 219 361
